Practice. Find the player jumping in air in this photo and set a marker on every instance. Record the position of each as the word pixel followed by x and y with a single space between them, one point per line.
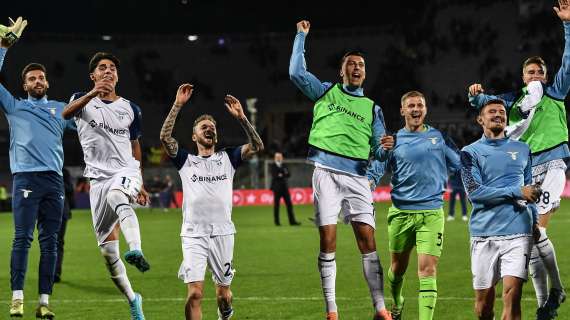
pixel 346 130
pixel 109 129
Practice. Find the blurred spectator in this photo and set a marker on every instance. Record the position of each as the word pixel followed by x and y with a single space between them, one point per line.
pixel 279 186
pixel 82 185
pixel 457 189
pixel 68 204
pixel 155 156
pixel 4 204
pixel 168 195
pixel 154 189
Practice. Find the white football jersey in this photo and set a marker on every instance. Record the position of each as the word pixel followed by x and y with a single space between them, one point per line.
pixel 207 184
pixel 105 132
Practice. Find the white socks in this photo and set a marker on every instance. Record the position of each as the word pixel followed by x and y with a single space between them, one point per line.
pixel 543 265
pixel 327 268
pixel 110 251
pixel 546 252
pixel 18 295
pixel 538 275
pixel 375 278
pixel 127 218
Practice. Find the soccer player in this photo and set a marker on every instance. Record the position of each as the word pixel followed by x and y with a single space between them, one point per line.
pixel 36 161
pixel 496 172
pixel 207 179
pixel 346 130
pixel 419 161
pixel 546 133
pixel 109 129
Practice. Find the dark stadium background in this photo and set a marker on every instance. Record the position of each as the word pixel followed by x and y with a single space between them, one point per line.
pixel 243 48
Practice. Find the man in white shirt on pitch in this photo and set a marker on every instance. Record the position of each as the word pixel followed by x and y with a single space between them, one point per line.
pixel 109 129
pixel 207 181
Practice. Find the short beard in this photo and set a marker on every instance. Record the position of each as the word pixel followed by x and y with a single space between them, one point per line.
pixel 204 142
pixel 497 130
pixel 34 95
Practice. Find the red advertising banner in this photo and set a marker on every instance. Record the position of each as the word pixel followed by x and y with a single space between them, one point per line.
pixel 257 197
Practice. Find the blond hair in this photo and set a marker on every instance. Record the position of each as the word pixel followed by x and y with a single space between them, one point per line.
pixel 411 94
pixel 201 118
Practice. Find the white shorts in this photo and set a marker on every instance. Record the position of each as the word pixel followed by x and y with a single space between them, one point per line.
pixel 335 192
pixel 552 178
pixel 216 252
pixel 128 181
pixel 493 259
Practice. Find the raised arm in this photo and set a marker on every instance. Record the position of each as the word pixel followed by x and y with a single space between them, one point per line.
pixel 303 79
pixel 561 83
pixel 182 96
pixel 7 100
pixel 74 106
pixel 255 144
pixel 8 36
pixel 477 97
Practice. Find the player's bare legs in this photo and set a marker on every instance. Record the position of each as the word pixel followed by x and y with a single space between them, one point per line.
pixel 399 262
pixel 512 293
pixel 371 266
pixel 327 267
pixel 224 299
pixel 193 309
pixel 364 235
pixel 328 238
pixel 544 219
pixel 484 303
pixel 427 265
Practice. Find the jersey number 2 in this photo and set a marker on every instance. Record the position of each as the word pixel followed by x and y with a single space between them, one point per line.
pixel 228 266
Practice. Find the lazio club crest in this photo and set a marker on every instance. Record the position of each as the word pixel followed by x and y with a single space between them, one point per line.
pixel 513 154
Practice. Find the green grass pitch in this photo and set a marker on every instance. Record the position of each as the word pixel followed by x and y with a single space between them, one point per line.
pixel 276 277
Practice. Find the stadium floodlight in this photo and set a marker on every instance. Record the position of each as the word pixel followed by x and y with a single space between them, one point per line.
pixel 106 37
pixel 193 37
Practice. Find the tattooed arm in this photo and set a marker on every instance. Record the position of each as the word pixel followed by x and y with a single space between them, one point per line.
pixel 182 96
pixel 255 144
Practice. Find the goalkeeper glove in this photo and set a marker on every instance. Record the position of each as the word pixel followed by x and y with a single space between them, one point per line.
pixel 11 34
